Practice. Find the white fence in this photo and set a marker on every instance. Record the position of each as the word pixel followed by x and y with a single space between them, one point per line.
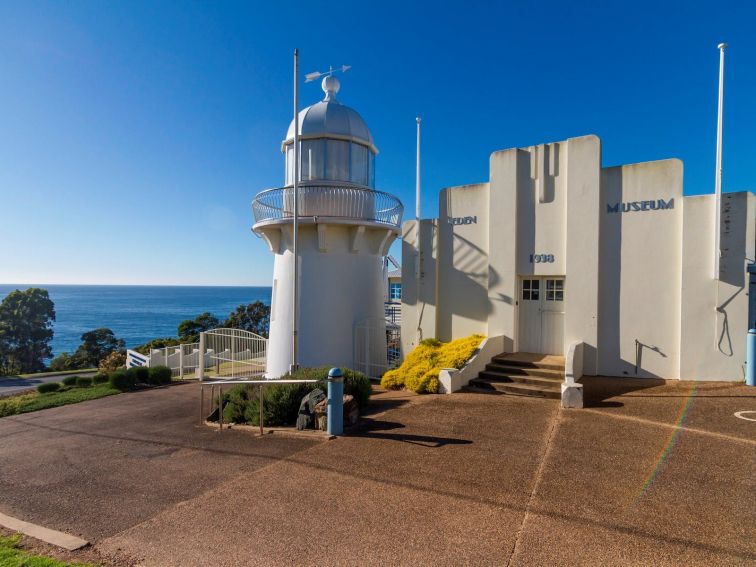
pixel 227 353
pixel 377 347
pixel 233 353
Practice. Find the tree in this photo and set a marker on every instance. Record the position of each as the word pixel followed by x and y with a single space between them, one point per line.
pixel 189 330
pixel 63 361
pixel 113 361
pixel 254 317
pixel 95 346
pixel 26 320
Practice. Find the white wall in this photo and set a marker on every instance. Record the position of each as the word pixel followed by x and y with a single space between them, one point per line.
pixel 419 294
pixel 714 313
pixel 462 269
pixel 641 256
pixel 341 283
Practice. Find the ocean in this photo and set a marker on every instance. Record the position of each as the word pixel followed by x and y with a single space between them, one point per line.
pixel 135 313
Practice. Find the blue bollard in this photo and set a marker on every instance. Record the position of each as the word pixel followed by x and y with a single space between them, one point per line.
pixel 751 358
pixel 335 416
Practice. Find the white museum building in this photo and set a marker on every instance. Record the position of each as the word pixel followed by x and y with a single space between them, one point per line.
pixel 557 250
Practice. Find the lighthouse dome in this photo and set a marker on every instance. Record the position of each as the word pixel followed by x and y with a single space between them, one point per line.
pixel 331 119
pixel 335 142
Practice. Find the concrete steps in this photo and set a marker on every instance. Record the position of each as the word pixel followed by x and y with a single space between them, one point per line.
pixel 522 374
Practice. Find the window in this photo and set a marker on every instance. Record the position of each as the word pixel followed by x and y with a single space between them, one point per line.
pixel 312 159
pixel 554 290
pixel 530 290
pixel 360 171
pixel 290 164
pixel 395 291
pixel 337 160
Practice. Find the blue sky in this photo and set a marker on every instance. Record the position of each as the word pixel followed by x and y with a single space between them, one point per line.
pixel 133 135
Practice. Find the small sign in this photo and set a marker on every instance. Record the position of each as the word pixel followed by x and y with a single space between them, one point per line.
pixel 463 220
pixel 541 258
pixel 633 206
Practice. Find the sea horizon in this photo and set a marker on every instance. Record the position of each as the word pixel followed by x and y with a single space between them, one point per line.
pixel 136 313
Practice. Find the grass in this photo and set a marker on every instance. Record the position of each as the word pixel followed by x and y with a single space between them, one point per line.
pixel 11 555
pixel 60 373
pixel 34 401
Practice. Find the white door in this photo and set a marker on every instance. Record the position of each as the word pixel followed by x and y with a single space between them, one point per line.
pixel 541 315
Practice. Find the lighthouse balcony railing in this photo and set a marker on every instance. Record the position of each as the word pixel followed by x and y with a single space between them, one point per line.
pixel 328 199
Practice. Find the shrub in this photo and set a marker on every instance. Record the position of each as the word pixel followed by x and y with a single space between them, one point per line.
pixel 69 380
pixel 419 371
pixel 113 361
pixel 46 387
pixel 281 401
pixel 139 374
pixel 100 378
pixel 122 380
pixel 160 375
pixel 83 382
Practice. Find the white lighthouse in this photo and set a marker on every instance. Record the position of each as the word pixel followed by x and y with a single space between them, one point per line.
pixel 345 230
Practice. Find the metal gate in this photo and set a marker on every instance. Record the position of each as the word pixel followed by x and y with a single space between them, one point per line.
pixel 376 347
pixel 233 353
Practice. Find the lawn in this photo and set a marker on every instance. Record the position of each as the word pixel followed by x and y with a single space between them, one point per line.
pixel 11 555
pixel 34 401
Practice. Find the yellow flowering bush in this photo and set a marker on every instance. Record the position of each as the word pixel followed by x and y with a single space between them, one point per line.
pixel 419 371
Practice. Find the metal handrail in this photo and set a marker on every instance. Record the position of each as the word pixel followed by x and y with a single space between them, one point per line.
pixel 328 199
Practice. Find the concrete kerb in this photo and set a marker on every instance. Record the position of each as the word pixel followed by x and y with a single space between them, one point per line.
pixel 53 537
pixel 572 391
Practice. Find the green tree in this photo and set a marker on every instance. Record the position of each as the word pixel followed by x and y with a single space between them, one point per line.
pixel 26 321
pixel 63 361
pixel 189 330
pixel 254 317
pixel 95 346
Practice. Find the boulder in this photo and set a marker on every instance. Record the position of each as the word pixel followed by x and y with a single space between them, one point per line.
pixel 351 412
pixel 306 415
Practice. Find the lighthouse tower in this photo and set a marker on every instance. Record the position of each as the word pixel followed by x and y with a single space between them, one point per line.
pixel 345 230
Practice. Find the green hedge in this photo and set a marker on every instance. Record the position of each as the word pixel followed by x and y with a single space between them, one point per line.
pixel 100 378
pixel 281 403
pixel 122 380
pixel 139 374
pixel 70 380
pixel 83 382
pixel 159 375
pixel 46 387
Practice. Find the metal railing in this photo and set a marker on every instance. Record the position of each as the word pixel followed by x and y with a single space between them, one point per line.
pixel 328 199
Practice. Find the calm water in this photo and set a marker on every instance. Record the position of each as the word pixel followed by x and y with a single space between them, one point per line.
pixel 135 313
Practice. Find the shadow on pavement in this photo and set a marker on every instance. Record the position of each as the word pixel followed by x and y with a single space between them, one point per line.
pixel 372 429
pixel 598 390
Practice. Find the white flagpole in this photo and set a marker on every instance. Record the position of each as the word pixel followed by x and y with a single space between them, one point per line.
pixel 295 307
pixel 417 228
pixel 718 178
pixel 417 175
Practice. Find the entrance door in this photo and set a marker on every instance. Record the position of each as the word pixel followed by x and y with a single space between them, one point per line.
pixel 541 315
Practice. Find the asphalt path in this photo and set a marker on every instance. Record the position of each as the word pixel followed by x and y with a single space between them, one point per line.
pixel 14 384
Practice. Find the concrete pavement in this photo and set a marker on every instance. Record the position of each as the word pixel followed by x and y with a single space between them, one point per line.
pixel 661 475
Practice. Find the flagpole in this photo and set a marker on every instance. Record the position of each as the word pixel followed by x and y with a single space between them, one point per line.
pixel 718 177
pixel 295 307
pixel 417 175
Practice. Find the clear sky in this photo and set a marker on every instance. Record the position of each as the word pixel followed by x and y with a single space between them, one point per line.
pixel 133 135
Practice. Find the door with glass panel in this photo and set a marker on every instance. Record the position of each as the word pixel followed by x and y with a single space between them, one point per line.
pixel 541 315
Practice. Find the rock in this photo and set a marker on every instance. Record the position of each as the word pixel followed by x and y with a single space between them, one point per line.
pixel 306 416
pixel 351 411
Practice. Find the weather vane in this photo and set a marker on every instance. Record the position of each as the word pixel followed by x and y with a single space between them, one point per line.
pixel 317 74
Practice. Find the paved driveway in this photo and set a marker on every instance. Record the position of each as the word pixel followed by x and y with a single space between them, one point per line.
pixel 660 475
